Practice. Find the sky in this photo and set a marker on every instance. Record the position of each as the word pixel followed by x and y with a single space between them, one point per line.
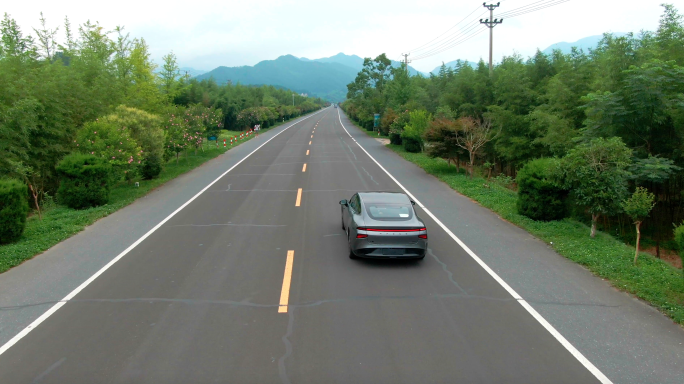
pixel 207 34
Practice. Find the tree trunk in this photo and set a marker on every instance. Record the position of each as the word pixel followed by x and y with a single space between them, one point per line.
pixel 34 193
pixel 472 165
pixel 594 219
pixel 458 164
pixel 636 254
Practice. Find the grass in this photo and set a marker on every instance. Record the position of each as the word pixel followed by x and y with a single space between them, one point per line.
pixel 59 222
pixel 652 280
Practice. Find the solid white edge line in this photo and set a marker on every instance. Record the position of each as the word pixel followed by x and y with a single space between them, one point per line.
pixel 564 342
pixel 92 278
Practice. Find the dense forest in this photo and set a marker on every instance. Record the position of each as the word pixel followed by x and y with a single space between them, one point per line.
pixel 616 111
pixel 98 93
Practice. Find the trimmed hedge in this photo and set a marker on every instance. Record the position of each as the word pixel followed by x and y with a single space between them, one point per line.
pixel 411 144
pixel 539 198
pixel 151 167
pixel 84 181
pixel 13 209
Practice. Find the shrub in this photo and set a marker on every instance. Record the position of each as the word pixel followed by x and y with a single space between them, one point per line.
pixel 395 138
pixel 109 140
pixel 151 167
pixel 13 209
pixel 84 181
pixel 412 136
pixel 679 239
pixel 539 197
pixel 411 144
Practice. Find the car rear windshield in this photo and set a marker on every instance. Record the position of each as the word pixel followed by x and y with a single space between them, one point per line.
pixel 392 212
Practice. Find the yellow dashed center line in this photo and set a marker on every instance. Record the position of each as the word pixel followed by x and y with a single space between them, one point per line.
pixel 309 143
pixel 304 168
pixel 299 198
pixel 287 278
pixel 312 136
pixel 307 152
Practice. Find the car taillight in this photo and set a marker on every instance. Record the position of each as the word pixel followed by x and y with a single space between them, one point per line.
pixel 423 236
pixel 391 230
pixel 361 236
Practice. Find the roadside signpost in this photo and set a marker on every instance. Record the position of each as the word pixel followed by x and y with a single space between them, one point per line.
pixel 376 123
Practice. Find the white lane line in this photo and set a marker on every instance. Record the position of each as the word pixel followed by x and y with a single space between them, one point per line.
pixel 564 342
pixel 92 278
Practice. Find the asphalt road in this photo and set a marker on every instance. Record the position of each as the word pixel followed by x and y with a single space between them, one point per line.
pixel 198 300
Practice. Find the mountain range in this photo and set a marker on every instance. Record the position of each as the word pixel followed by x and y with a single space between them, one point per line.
pixel 328 77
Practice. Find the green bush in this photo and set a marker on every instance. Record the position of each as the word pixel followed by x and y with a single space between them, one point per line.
pixel 412 144
pixel 539 198
pixel 679 239
pixel 395 138
pixel 84 181
pixel 151 167
pixel 13 209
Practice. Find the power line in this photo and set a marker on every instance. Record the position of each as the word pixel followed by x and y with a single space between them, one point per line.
pixel 459 40
pixel 454 26
pixel 512 14
pixel 464 32
pixel 469 30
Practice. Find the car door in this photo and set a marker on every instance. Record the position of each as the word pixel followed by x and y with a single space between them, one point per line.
pixel 346 212
pixel 354 215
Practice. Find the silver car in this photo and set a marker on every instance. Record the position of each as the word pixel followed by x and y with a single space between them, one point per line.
pixel 383 225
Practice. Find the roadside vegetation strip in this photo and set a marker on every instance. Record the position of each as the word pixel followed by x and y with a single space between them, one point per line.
pixel 60 223
pixel 651 280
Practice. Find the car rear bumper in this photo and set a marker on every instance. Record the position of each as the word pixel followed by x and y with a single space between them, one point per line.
pixel 412 251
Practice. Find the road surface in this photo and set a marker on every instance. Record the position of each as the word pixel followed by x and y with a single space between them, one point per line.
pixel 250 282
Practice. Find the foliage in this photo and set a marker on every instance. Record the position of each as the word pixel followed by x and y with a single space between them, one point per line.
pixel 597 174
pixel 539 196
pixel 84 181
pixel 679 239
pixel 412 135
pixel 13 209
pixel 442 137
pixel 151 167
pixel 639 205
pixel 110 140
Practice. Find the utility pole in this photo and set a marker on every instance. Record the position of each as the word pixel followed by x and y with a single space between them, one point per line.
pixel 491 23
pixel 293 99
pixel 406 62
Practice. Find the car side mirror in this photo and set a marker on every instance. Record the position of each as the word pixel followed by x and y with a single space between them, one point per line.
pixel 413 202
pixel 343 202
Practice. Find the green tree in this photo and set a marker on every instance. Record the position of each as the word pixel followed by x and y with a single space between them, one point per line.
pixel 638 206
pixel 596 173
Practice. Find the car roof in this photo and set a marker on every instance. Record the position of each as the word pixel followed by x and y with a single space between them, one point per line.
pixel 384 197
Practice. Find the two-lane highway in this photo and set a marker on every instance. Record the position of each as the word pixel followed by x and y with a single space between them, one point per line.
pixel 251 283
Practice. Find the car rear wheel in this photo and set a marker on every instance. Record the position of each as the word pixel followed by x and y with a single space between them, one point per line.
pixel 351 252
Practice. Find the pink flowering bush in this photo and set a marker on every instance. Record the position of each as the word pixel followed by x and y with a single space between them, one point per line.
pixel 111 141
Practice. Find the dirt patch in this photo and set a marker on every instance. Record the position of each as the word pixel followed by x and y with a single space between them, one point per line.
pixel 382 141
pixel 669 256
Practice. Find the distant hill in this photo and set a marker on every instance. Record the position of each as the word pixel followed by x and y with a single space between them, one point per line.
pixel 192 72
pixel 585 44
pixel 326 80
pixel 356 62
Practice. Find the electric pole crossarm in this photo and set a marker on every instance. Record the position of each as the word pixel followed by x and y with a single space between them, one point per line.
pixel 491 23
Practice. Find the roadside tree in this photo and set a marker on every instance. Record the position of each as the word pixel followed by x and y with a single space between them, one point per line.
pixel 474 135
pixel 596 172
pixel 638 206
